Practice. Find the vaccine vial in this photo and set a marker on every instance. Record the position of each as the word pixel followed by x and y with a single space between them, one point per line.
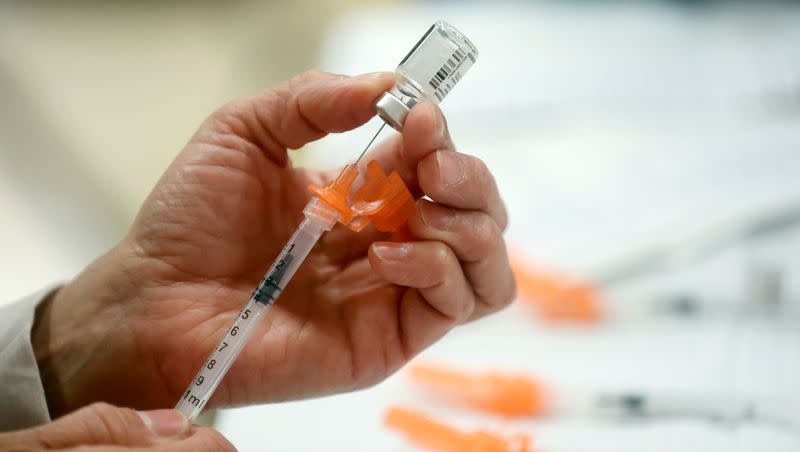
pixel 429 72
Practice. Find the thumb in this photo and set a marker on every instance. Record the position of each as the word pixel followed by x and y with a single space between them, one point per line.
pixel 298 111
pixel 104 424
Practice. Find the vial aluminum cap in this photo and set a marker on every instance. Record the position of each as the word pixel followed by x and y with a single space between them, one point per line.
pixel 392 110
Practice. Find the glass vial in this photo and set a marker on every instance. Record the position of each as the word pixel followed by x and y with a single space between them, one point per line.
pixel 429 72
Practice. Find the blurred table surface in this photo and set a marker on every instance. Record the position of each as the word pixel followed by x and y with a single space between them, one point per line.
pixel 608 128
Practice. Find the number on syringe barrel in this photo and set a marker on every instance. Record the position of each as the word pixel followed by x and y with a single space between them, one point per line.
pixel 244 314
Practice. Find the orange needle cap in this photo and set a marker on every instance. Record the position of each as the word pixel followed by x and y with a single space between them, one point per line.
pixel 495 393
pixel 555 297
pixel 427 432
pixel 381 200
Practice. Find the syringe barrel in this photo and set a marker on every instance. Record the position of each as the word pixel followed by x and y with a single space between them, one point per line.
pixel 429 72
pixel 319 218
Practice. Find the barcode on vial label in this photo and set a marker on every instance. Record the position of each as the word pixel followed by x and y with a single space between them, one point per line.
pixel 446 77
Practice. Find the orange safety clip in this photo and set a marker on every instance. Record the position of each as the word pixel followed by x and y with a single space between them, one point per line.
pixel 500 394
pixel 434 435
pixel 556 297
pixel 381 200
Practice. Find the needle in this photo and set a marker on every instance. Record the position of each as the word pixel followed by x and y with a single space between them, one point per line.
pixel 370 143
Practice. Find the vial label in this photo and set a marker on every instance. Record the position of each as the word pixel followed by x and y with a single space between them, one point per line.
pixel 435 64
pixel 449 74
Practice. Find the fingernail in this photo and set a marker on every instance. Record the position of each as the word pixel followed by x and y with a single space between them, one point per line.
pixel 437 218
pixel 389 251
pixel 451 170
pixel 442 129
pixel 165 423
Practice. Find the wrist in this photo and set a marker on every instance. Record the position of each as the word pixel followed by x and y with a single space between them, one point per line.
pixel 76 331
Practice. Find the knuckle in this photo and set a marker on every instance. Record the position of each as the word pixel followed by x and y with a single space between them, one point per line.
pixel 278 122
pixel 227 116
pixel 477 187
pixel 508 292
pixel 440 266
pixel 488 195
pixel 443 255
pixel 476 168
pixel 105 410
pixel 483 175
pixel 110 422
pixel 101 408
pixel 466 307
pixel 486 237
pixel 310 75
pixel 282 96
pixel 500 298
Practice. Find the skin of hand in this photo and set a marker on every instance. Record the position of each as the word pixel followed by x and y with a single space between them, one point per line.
pixel 133 328
pixel 103 427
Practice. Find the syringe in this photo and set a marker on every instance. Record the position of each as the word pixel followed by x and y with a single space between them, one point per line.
pixel 429 71
pixel 319 217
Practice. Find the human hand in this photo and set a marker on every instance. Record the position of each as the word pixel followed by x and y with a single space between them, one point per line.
pixel 135 326
pixel 105 427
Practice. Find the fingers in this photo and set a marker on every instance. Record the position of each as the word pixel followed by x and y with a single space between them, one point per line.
pixel 199 439
pixel 300 110
pixel 101 426
pixel 461 181
pixel 104 424
pixel 467 216
pixel 424 157
pixel 424 131
pixel 477 241
pixel 445 297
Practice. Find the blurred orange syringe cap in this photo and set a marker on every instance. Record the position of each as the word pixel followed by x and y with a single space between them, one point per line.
pixel 556 298
pixel 495 393
pixel 427 432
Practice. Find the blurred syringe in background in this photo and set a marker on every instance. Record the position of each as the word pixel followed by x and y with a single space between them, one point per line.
pixel 560 298
pixel 522 396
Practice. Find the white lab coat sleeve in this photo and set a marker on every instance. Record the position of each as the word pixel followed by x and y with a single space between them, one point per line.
pixel 22 400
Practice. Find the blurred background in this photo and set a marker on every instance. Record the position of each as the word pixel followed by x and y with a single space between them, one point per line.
pixel 649 152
